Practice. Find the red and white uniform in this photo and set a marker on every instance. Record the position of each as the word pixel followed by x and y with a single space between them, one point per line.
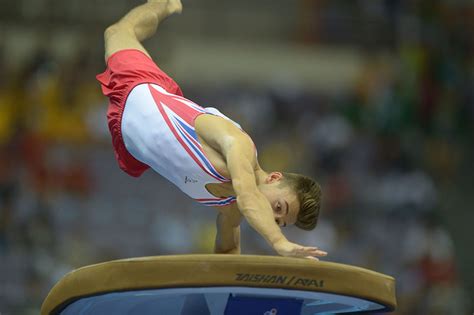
pixel 152 125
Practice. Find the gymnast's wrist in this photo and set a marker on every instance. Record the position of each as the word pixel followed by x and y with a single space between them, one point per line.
pixel 232 251
pixel 278 240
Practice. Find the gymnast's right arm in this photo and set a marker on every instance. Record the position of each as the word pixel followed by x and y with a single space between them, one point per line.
pixel 254 206
pixel 251 202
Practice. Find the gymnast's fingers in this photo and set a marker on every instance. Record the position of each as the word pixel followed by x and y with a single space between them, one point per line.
pixel 311 251
pixel 312 258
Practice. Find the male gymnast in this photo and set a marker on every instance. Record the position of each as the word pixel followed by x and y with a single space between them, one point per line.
pixel 207 155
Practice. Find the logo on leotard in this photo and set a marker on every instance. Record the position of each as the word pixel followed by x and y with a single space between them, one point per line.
pixel 189 180
pixel 273 311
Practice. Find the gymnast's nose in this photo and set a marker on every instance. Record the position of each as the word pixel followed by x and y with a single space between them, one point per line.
pixel 279 222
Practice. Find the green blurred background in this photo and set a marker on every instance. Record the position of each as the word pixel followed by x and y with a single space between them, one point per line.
pixel 375 99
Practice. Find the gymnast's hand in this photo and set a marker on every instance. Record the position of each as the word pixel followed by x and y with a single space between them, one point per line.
pixel 289 249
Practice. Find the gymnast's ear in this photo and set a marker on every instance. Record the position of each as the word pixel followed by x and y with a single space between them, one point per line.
pixel 273 177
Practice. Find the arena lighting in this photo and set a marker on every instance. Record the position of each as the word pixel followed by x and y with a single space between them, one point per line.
pixel 220 284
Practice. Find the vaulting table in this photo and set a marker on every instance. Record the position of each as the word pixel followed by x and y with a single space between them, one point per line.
pixel 220 284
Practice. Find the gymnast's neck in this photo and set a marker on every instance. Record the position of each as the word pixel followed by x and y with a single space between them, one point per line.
pixel 260 176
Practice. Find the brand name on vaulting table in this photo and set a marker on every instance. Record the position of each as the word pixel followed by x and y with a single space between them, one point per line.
pixel 275 279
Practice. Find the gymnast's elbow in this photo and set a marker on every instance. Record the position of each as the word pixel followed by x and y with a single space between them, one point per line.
pixel 246 203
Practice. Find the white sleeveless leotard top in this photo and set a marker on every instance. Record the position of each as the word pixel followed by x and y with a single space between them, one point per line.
pixel 158 130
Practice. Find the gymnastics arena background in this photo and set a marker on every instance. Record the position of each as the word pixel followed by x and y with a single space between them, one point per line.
pixel 372 98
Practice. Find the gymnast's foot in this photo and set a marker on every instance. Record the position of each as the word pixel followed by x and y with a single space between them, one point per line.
pixel 166 8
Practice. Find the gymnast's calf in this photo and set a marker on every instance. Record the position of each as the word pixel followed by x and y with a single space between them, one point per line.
pixel 200 150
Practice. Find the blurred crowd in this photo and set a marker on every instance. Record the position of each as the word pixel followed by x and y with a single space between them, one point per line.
pixel 383 152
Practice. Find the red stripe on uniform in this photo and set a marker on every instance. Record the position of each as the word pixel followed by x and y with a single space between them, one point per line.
pixel 170 125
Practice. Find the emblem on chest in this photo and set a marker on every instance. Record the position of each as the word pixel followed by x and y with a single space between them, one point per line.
pixel 189 180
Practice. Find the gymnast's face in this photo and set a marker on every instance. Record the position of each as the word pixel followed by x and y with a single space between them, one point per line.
pixel 282 198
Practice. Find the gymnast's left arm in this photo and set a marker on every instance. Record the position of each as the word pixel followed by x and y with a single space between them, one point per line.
pixel 228 233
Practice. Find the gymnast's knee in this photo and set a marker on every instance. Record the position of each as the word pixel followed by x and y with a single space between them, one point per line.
pixel 117 29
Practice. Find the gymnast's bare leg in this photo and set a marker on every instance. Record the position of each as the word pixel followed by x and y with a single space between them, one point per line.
pixel 137 25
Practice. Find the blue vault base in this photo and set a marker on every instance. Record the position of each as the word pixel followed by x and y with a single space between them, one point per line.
pixel 218 301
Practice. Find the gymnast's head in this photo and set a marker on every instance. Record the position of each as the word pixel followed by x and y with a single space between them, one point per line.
pixel 295 199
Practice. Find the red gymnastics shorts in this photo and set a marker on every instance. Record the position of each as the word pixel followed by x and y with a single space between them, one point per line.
pixel 125 70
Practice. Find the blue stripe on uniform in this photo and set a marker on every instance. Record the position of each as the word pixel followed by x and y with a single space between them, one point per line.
pixel 190 130
pixel 201 155
pixel 219 203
